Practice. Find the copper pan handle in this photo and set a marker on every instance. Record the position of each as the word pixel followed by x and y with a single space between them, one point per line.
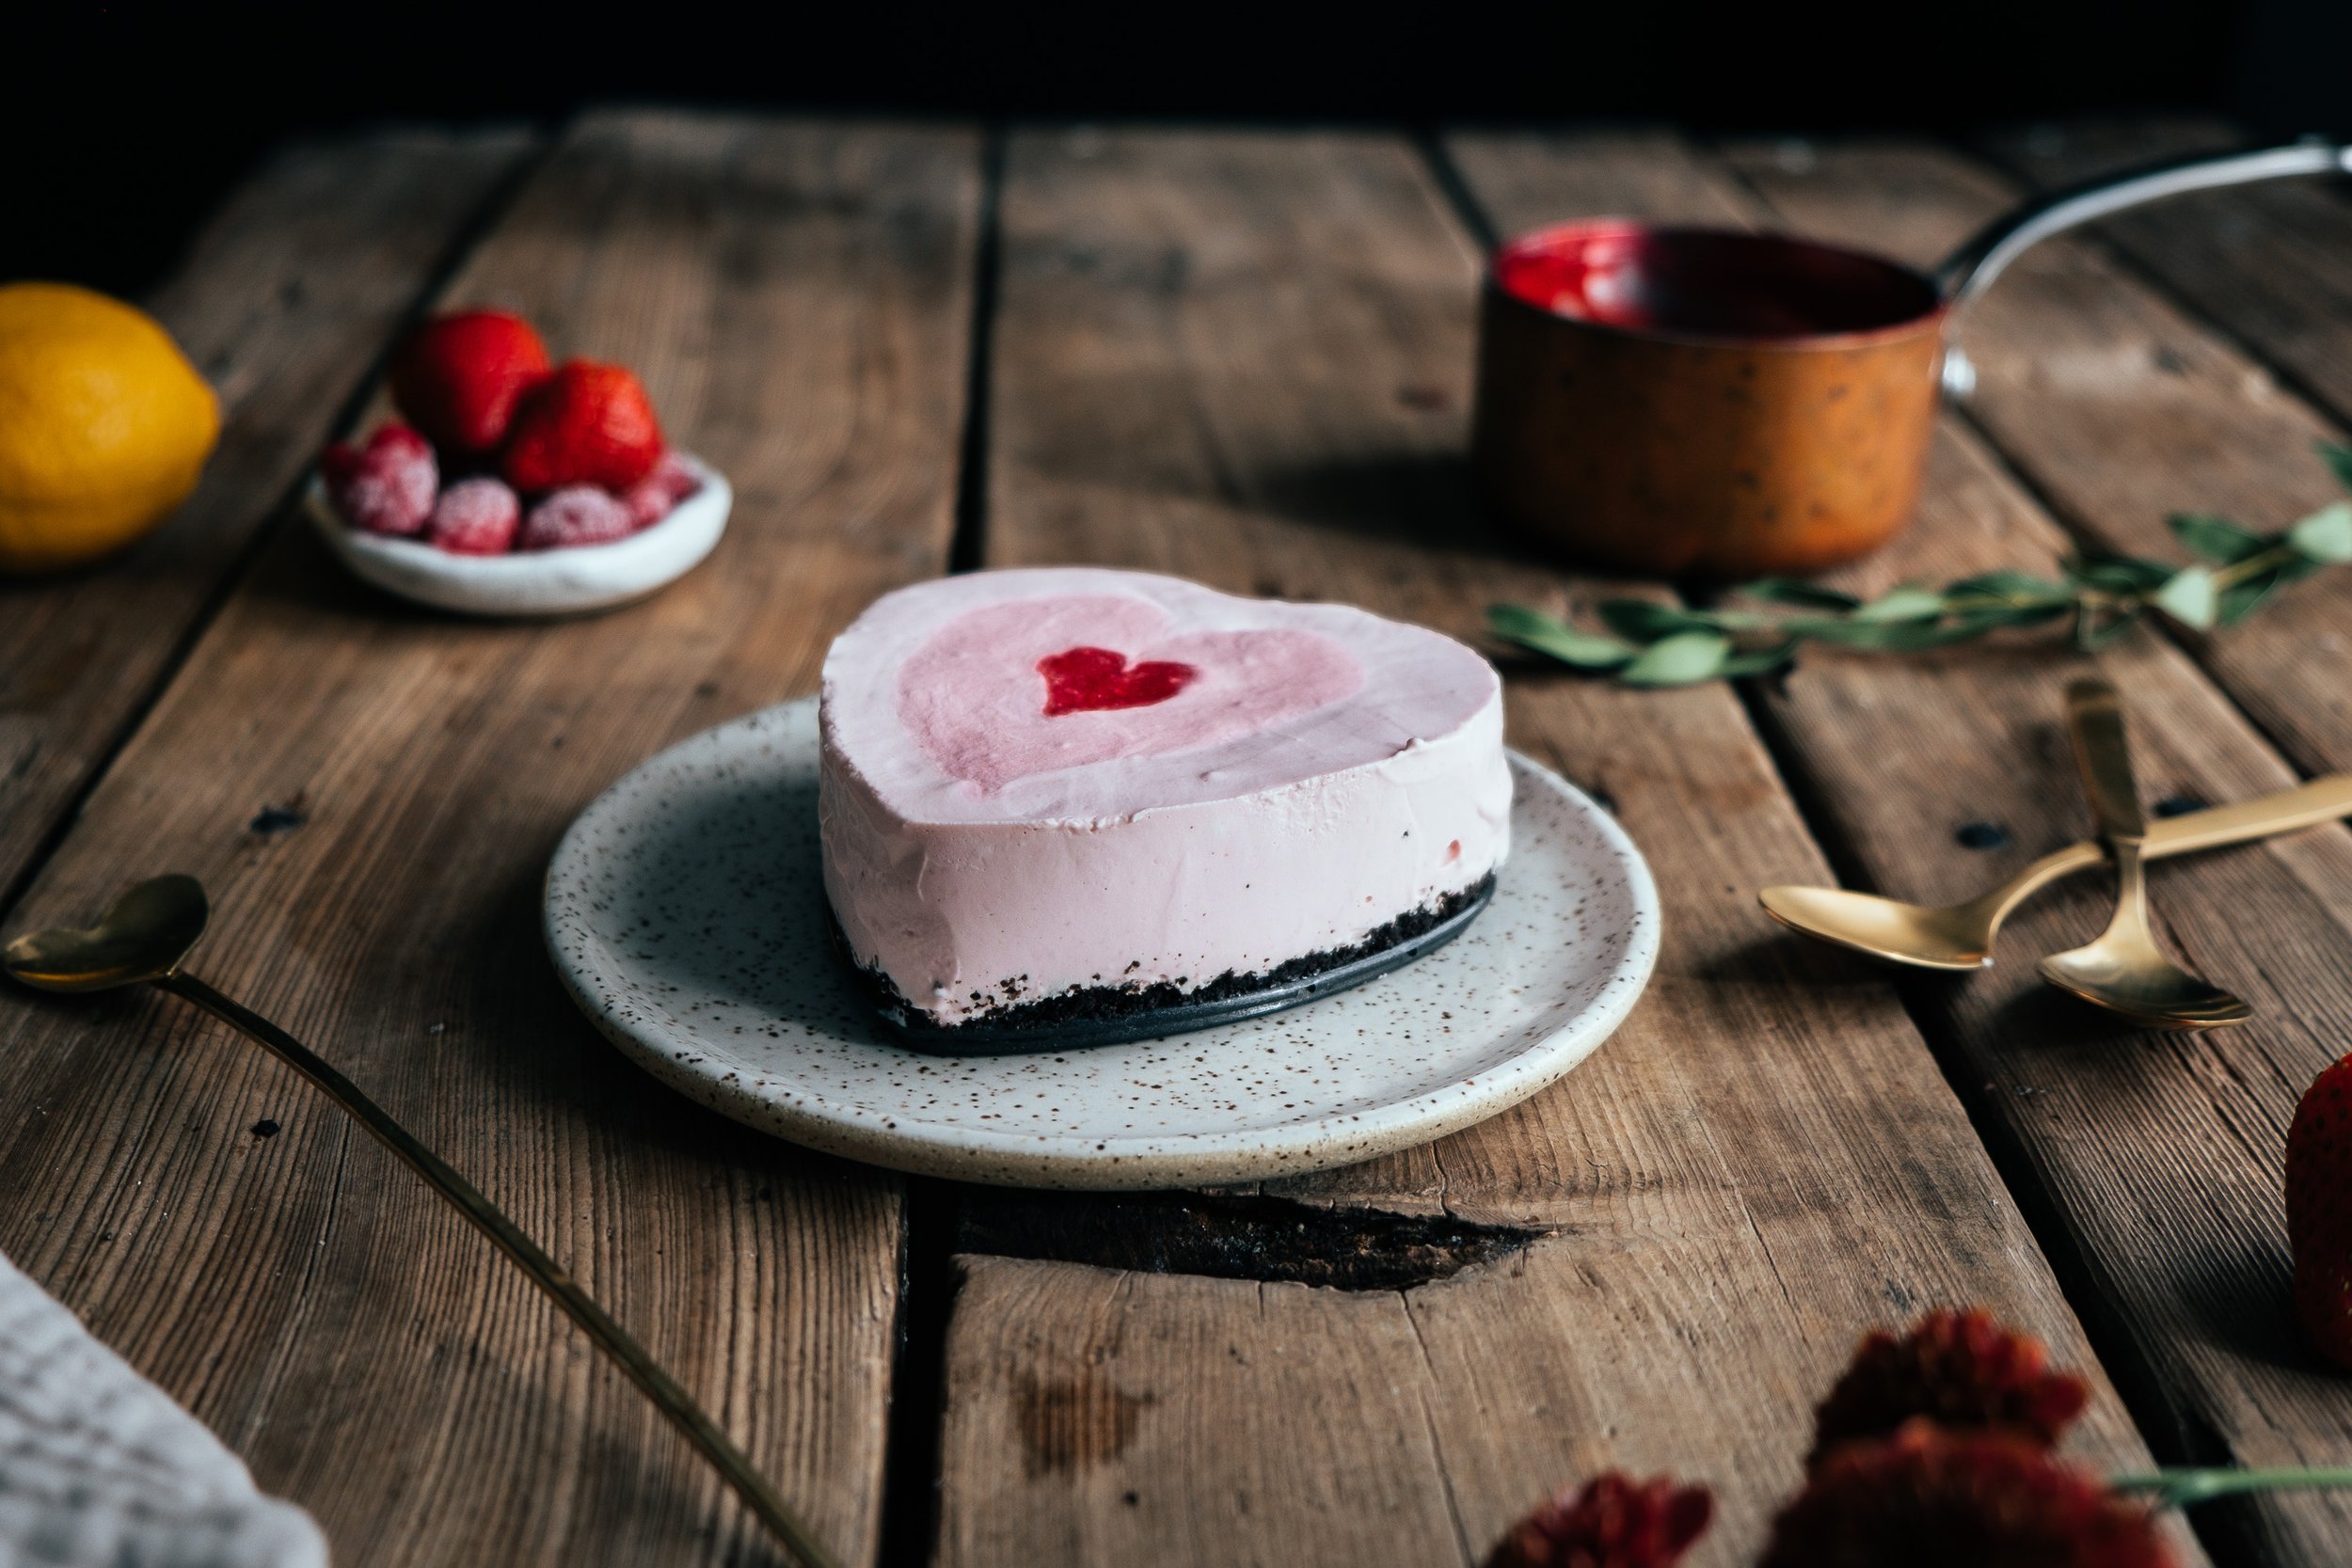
pixel 1968 271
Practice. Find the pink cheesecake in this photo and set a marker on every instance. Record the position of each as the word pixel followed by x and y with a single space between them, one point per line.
pixel 1069 793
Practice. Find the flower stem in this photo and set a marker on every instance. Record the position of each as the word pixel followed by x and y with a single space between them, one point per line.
pixel 2180 1488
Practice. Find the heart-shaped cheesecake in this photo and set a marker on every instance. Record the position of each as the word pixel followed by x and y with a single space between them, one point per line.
pixel 1066 791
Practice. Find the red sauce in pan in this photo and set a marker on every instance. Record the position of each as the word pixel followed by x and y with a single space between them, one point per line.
pixel 1709 283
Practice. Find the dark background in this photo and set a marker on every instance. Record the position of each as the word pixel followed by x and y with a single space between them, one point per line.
pixel 125 123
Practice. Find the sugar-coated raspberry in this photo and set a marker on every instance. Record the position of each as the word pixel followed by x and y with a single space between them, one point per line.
pixel 577 515
pixel 476 517
pixel 654 497
pixel 385 487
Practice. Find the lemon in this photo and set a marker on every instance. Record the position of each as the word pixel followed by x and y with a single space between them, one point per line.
pixel 104 425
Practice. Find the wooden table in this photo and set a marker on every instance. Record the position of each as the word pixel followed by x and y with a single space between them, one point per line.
pixel 1243 358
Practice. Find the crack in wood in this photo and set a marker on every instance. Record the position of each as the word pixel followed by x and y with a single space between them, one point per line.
pixel 1270 1239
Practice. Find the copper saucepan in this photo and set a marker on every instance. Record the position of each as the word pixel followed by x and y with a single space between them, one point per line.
pixel 1716 402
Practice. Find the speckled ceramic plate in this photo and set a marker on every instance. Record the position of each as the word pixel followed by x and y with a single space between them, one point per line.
pixel 685 913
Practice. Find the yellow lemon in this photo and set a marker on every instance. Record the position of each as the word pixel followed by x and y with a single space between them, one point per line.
pixel 104 425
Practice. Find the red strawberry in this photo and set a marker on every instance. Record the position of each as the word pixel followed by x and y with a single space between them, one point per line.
pixel 1614 1522
pixel 385 487
pixel 458 377
pixel 475 516
pixel 1962 1370
pixel 2319 1210
pixel 588 425
pixel 654 497
pixel 577 515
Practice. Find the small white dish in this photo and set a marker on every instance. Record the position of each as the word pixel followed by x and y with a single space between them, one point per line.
pixel 685 914
pixel 567 581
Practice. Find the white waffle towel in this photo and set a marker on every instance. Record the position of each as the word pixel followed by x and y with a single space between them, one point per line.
pixel 100 1469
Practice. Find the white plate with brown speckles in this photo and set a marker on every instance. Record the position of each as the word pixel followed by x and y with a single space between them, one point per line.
pixel 686 915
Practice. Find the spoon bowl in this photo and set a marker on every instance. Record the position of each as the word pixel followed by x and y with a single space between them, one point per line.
pixel 2124 972
pixel 1956 937
pixel 144 936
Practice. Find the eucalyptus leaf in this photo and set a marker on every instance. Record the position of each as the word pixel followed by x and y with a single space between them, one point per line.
pixel 1761 663
pixel 2189 596
pixel 2338 461
pixel 2011 587
pixel 1681 660
pixel 2115 574
pixel 2094 633
pixel 2217 539
pixel 1642 621
pixel 2241 599
pixel 1904 604
pixel 1531 628
pixel 2326 535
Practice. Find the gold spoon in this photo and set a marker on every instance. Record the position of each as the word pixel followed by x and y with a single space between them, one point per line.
pixel 145 937
pixel 1960 936
pixel 2125 970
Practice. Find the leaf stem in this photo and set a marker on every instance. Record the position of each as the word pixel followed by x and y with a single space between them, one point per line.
pixel 2180 1488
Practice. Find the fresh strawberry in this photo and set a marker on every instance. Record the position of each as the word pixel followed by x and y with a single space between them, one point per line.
pixel 385 487
pixel 476 517
pixel 458 378
pixel 587 424
pixel 577 515
pixel 2319 1210
pixel 656 496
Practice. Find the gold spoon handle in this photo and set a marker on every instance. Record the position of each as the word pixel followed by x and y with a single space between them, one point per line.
pixel 658 1386
pixel 2106 759
pixel 2285 811
pixel 2323 799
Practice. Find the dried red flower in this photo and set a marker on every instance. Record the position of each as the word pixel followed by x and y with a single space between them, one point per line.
pixel 1931 1498
pixel 1962 1370
pixel 1612 1521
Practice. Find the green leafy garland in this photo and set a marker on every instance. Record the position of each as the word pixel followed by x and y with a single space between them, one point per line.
pixel 2101 595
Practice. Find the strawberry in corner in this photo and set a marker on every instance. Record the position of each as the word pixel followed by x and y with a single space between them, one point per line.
pixel 2319 1211
pixel 587 424
pixel 460 377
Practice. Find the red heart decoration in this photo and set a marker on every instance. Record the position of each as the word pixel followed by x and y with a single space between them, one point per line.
pixel 1083 680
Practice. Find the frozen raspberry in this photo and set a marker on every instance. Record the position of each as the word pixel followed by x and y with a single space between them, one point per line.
pixel 1962 1370
pixel 385 487
pixel 1930 1498
pixel 1614 1522
pixel 577 515
pixel 476 517
pixel 652 498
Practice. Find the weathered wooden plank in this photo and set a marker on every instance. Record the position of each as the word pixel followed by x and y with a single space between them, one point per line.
pixel 2264 262
pixel 283 303
pixel 1245 358
pixel 2119 407
pixel 797 297
pixel 2156 1158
